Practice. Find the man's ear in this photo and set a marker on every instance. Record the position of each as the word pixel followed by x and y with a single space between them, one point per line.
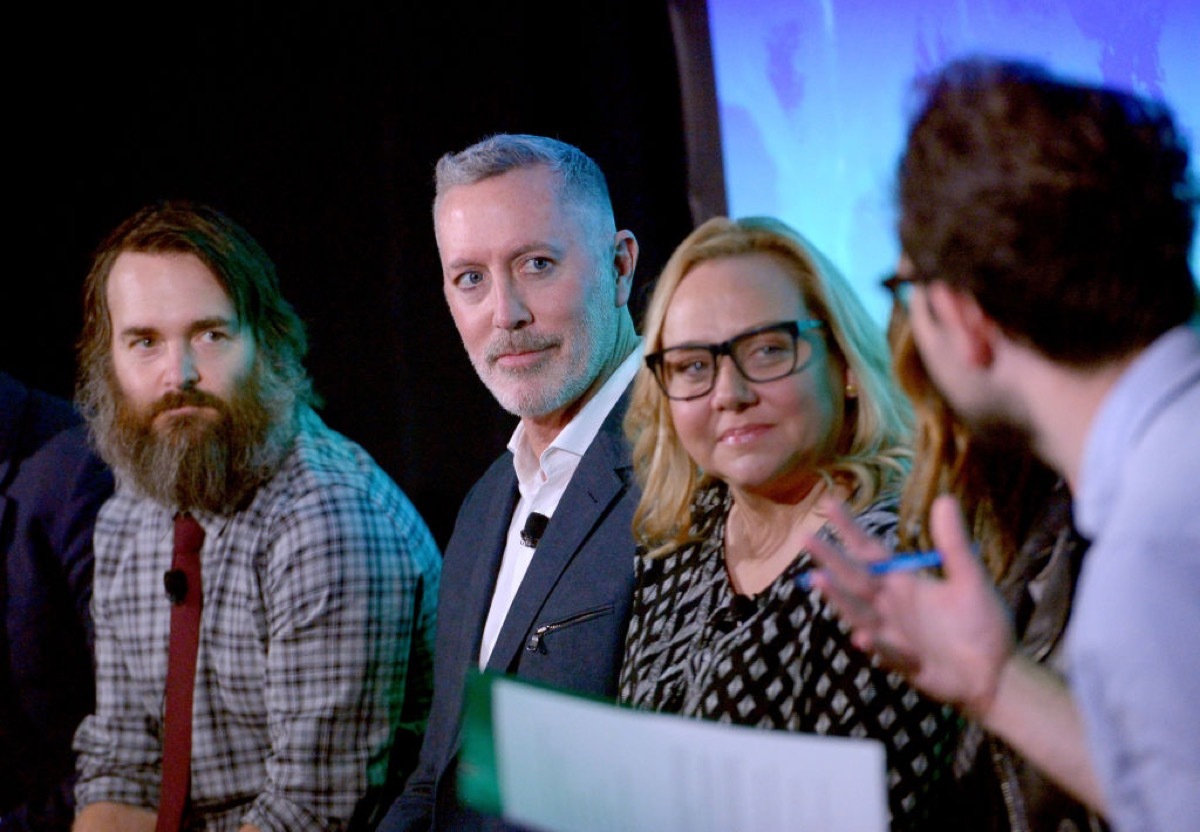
pixel 965 322
pixel 625 257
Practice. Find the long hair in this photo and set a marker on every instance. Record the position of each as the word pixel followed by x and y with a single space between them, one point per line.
pixel 1001 492
pixel 872 453
pixel 238 263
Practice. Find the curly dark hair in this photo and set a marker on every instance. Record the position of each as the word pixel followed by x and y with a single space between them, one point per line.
pixel 1065 209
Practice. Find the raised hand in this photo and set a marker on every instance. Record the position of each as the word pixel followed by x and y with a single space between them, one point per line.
pixel 950 634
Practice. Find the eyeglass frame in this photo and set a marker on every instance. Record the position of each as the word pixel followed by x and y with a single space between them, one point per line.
pixel 901 287
pixel 797 329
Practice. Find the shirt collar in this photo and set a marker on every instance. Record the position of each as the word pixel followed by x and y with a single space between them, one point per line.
pixel 576 437
pixel 1163 369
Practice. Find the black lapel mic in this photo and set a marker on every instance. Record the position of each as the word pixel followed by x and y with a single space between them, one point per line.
pixel 535 526
pixel 175 581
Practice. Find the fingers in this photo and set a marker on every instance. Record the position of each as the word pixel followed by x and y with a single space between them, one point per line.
pixel 857 543
pixel 844 562
pixel 832 560
pixel 959 561
pixel 904 663
pixel 867 628
pixel 845 584
pixel 849 587
pixel 858 596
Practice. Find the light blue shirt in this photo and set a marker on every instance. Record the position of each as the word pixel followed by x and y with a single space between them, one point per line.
pixel 1134 638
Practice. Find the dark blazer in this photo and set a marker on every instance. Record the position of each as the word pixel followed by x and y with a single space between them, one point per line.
pixel 51 487
pixel 581 577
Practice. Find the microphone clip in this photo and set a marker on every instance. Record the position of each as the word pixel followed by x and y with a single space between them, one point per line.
pixel 176 583
pixel 535 527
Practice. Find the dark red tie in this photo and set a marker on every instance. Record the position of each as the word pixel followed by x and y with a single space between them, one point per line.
pixel 183 587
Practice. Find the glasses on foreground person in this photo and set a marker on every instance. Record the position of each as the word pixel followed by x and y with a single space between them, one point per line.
pixel 1019 515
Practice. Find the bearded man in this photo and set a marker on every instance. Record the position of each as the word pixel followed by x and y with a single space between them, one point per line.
pixel 1046 225
pixel 316 582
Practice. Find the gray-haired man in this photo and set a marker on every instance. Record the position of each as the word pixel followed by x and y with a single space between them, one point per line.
pixel 537 278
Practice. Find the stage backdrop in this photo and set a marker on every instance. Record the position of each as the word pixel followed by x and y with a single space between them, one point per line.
pixel 317 127
pixel 814 95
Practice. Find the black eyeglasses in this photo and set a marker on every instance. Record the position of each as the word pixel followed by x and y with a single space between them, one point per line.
pixel 762 354
pixel 901 288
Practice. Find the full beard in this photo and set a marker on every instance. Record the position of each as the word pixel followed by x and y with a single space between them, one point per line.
pixel 1001 431
pixel 211 460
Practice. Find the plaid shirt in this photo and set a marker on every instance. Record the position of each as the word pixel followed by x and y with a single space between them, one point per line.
pixel 315 645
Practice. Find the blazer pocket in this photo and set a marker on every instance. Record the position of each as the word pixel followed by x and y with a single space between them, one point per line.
pixel 536 643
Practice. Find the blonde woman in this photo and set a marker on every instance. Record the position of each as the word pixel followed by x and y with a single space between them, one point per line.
pixel 766 387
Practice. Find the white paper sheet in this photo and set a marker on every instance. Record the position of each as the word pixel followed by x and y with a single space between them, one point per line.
pixel 567 764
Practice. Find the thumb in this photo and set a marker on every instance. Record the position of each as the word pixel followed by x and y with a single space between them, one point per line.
pixel 950 537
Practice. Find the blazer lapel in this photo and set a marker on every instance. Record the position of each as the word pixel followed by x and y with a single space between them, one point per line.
pixel 488 537
pixel 600 479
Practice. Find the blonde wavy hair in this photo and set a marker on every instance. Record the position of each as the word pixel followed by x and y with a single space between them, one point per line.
pixel 873 454
pixel 1001 491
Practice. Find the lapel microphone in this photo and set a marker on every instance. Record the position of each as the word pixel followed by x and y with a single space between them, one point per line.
pixel 176 583
pixel 535 526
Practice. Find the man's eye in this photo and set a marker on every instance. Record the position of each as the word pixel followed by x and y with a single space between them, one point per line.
pixel 142 343
pixel 214 335
pixel 467 280
pixel 538 264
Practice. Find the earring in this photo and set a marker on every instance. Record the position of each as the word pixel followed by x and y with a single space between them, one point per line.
pixel 851 391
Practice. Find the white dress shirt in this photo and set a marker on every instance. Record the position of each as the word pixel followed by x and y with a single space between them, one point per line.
pixel 541 483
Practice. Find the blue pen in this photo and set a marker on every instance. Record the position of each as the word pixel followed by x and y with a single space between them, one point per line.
pixel 899 562
pixel 906 562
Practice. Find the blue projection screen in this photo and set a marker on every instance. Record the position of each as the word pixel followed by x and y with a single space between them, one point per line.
pixel 814 95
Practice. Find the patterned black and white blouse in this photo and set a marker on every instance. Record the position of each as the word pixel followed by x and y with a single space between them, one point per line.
pixel 778 660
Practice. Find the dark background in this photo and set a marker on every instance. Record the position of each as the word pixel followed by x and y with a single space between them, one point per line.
pixel 318 131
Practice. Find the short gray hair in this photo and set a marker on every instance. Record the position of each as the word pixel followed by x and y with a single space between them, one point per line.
pixel 582 182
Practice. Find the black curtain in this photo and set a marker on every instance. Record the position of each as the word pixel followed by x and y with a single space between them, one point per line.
pixel 318 131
